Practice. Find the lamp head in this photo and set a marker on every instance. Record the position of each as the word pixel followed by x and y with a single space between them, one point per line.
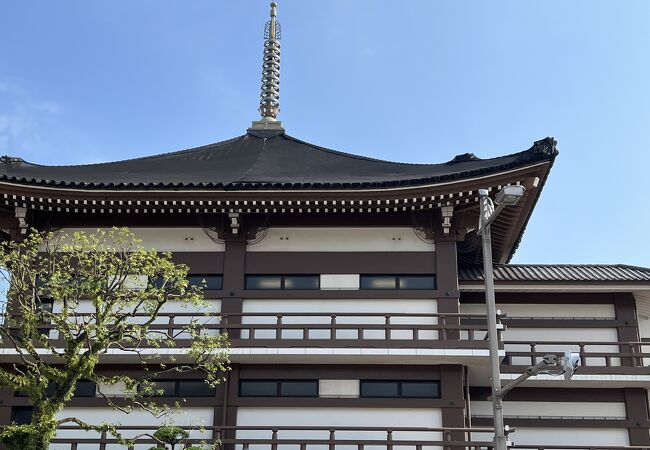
pixel 510 195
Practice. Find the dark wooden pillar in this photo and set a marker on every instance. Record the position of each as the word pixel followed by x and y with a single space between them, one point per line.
pixel 628 330
pixel 234 268
pixel 636 410
pixel 234 274
pixel 447 279
pixel 452 393
pixel 229 417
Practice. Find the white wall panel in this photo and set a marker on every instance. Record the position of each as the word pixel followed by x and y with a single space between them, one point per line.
pixel 112 390
pixel 172 306
pixel 339 388
pixel 644 327
pixel 350 417
pixel 560 335
pixel 374 306
pixel 542 310
pixel 341 240
pixel 169 239
pixel 194 417
pixel 551 409
pixel 565 436
pixel 339 282
pixel 212 306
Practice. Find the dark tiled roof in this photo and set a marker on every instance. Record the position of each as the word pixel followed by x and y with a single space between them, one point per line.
pixel 258 162
pixel 557 273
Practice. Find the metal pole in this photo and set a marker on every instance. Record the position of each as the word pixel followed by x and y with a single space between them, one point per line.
pixel 500 442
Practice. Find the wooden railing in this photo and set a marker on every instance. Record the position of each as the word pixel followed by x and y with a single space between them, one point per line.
pixel 289 438
pixel 285 438
pixel 394 330
pixel 622 357
pixel 577 447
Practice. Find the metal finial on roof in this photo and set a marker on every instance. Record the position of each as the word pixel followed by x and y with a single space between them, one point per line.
pixel 270 94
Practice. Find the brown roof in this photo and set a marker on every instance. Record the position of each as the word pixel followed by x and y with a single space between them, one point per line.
pixel 558 273
pixel 252 162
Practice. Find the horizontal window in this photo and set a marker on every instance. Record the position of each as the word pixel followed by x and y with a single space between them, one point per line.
pixel 278 388
pixel 22 415
pixel 399 389
pixel 83 388
pixel 283 282
pixel 177 388
pixel 202 280
pixel 206 281
pixel 398 282
pixel 45 304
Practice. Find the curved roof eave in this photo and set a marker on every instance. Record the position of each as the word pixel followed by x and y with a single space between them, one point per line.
pixel 250 163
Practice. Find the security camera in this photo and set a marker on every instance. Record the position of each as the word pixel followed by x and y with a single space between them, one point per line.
pixel 571 362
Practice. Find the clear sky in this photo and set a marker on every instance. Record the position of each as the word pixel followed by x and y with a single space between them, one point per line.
pixel 413 81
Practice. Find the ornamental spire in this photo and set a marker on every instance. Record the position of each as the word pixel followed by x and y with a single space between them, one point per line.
pixel 270 93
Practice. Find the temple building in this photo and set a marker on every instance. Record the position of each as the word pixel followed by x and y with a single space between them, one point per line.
pixel 354 295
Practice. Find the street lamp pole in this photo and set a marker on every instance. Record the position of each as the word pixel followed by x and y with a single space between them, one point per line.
pixel 508 196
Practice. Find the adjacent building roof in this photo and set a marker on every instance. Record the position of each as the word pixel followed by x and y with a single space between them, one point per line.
pixel 558 273
pixel 263 162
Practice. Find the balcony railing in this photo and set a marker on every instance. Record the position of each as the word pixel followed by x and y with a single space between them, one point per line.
pixel 351 330
pixel 596 357
pixel 306 438
pixel 285 438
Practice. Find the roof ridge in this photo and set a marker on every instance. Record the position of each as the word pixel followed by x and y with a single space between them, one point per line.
pixel 351 155
pixel 142 158
pixel 366 158
pixel 242 178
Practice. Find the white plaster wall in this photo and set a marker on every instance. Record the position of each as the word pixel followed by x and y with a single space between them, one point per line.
pixel 172 306
pixel 339 388
pixel 553 409
pixel 349 417
pixel 583 335
pixel 168 239
pixel 194 417
pixel 339 282
pixel 111 390
pixel 644 327
pixel 205 314
pixel 426 306
pixel 542 310
pixel 342 239
pixel 566 436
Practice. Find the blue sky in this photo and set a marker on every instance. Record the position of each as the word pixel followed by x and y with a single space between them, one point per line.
pixel 416 81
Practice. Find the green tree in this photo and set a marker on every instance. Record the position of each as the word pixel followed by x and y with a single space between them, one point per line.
pixel 75 300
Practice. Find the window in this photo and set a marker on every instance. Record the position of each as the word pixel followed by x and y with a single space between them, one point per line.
pixel 45 304
pixel 83 388
pixel 194 388
pixel 278 388
pixel 283 282
pixel 22 415
pixel 206 281
pixel 178 388
pixel 398 282
pixel 400 389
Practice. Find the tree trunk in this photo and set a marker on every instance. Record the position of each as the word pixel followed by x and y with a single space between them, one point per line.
pixel 41 441
pixel 44 427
